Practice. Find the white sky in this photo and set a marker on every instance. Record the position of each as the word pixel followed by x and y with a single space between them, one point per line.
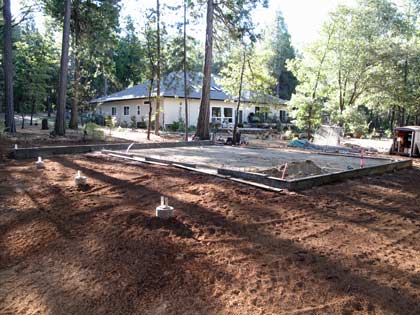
pixel 303 17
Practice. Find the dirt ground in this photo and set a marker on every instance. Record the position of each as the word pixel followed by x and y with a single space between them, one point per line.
pixel 348 248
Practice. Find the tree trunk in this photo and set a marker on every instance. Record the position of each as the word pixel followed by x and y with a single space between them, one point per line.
pixel 150 109
pixel 49 105
pixel 402 116
pixel 391 124
pixel 32 112
pixel 185 71
pixel 157 114
pixel 76 84
pixel 203 131
pixel 75 101
pixel 309 130
pixel 60 120
pixel 105 85
pixel 235 128
pixel 8 68
pixel 23 120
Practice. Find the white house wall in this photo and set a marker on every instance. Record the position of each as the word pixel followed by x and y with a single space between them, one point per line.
pixel 173 109
pixel 105 109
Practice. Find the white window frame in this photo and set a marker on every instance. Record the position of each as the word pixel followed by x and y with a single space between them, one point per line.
pixel 128 111
pixel 284 118
pixel 114 111
pixel 216 118
pixel 228 119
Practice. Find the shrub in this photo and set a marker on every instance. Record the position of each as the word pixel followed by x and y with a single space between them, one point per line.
pixel 124 124
pixel 175 126
pixel 2 126
pixel 110 123
pixel 93 130
pixel 288 135
pixel 99 120
pixel 133 123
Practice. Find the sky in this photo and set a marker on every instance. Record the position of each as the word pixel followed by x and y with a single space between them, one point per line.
pixel 304 18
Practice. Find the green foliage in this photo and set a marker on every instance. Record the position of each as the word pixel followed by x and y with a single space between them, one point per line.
pixel 94 131
pixel 133 123
pixel 110 122
pixel 355 122
pixel 129 57
pixel 307 111
pixel 288 135
pixel 277 39
pixel 174 55
pixel 2 127
pixel 367 55
pixel 94 37
pixel 256 80
pixel 177 126
pixel 36 65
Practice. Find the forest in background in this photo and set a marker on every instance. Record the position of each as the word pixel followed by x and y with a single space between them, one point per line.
pixel 362 73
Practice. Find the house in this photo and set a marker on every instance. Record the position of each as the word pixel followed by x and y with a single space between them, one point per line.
pixel 134 101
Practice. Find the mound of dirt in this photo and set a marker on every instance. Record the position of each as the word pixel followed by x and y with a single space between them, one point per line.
pixel 295 169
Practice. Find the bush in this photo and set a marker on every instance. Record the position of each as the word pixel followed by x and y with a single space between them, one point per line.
pixel 110 123
pixel 141 125
pixel 133 124
pixel 124 124
pixel 215 125
pixel 2 127
pixel 99 120
pixel 288 135
pixel 93 130
pixel 175 126
pixel 355 121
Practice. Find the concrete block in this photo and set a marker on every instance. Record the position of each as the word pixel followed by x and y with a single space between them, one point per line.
pixel 165 212
pixel 80 180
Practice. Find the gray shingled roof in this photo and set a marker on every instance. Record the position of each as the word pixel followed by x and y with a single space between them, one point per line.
pixel 173 86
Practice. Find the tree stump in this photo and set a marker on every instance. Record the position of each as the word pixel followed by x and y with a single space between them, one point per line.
pixel 44 124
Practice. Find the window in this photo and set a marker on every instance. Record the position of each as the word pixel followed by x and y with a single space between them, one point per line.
pixel 126 110
pixel 216 114
pixel 240 116
pixel 138 110
pixel 228 115
pixel 261 113
pixel 283 116
pixel 113 111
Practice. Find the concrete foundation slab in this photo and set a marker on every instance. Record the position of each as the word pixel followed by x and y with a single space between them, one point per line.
pixel 253 160
pixel 247 164
pixel 34 152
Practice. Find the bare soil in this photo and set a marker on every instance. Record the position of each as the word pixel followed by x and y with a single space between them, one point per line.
pixel 349 248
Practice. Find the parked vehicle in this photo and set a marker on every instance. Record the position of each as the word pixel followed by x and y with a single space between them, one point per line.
pixel 406 141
